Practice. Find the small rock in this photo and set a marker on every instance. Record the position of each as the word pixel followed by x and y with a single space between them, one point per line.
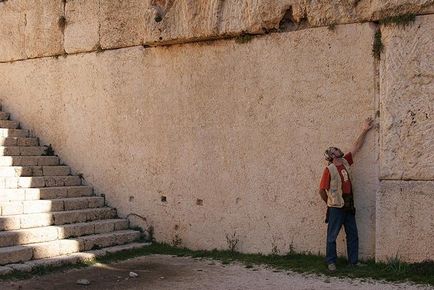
pixel 134 275
pixel 161 278
pixel 83 282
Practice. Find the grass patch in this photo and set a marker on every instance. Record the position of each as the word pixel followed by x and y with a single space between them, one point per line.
pixel 400 20
pixel 393 271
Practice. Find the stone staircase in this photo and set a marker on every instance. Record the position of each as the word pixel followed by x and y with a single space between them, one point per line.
pixel 47 216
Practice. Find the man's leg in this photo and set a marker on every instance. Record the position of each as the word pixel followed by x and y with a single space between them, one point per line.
pixel 336 220
pixel 352 238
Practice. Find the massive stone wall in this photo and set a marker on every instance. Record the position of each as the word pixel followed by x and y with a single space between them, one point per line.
pixel 405 208
pixel 54 27
pixel 232 133
pixel 241 127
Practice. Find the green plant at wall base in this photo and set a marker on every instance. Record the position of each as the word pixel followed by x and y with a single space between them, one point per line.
pixel 150 232
pixel 378 46
pixel 244 38
pixel 232 241
pixel 176 241
pixel 400 20
pixel 395 265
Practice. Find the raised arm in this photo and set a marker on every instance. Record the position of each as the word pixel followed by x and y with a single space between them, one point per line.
pixel 367 125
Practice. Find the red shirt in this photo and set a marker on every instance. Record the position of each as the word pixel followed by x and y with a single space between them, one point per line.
pixel 346 182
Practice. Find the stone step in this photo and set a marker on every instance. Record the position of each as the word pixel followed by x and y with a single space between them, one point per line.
pixel 25 221
pixel 22 150
pixel 29 160
pixel 21 194
pixel 14 132
pixel 26 171
pixel 8 208
pixel 8 124
pixel 39 181
pixel 51 233
pixel 4 116
pixel 19 254
pixel 69 259
pixel 18 141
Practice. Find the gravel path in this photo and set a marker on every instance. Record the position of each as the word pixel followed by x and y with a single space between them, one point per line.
pixel 158 272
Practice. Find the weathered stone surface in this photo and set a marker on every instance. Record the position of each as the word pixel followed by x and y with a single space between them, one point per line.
pixel 405 221
pixel 11 208
pixel 36 28
pixel 5 270
pixel 14 254
pixel 27 236
pixel 180 21
pixel 82 25
pixel 30 29
pixel 407 101
pixel 20 267
pixel 39 206
pixel 122 23
pixel 46 250
pixel 56 170
pixel 76 230
pixel 12 44
pixel 9 223
pixel 104 227
pixel 43 30
pixel 240 126
pixel 12 194
pixel 13 132
pixel 48 193
pixel 36 220
pixel 77 191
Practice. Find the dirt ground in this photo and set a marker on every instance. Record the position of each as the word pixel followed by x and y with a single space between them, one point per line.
pixel 168 272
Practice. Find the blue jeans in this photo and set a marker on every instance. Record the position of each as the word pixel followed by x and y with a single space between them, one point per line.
pixel 338 217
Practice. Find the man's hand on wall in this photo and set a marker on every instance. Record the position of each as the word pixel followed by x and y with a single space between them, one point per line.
pixel 368 124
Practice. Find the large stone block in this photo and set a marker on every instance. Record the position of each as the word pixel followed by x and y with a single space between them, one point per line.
pixel 15 255
pixel 36 220
pixel 240 126
pixel 44 27
pixel 405 221
pixel 12 37
pixel 122 23
pixel 82 25
pixel 169 21
pixel 407 101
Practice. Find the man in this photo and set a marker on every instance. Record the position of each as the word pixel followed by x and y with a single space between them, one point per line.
pixel 336 191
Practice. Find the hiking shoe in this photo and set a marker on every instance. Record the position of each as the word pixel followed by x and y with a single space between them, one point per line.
pixel 331 267
pixel 358 264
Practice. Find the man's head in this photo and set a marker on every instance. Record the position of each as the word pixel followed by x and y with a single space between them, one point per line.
pixel 332 153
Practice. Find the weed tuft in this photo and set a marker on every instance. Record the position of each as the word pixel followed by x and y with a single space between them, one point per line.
pixel 49 151
pixel 62 23
pixel 232 241
pixel 378 46
pixel 332 27
pixel 176 241
pixel 244 38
